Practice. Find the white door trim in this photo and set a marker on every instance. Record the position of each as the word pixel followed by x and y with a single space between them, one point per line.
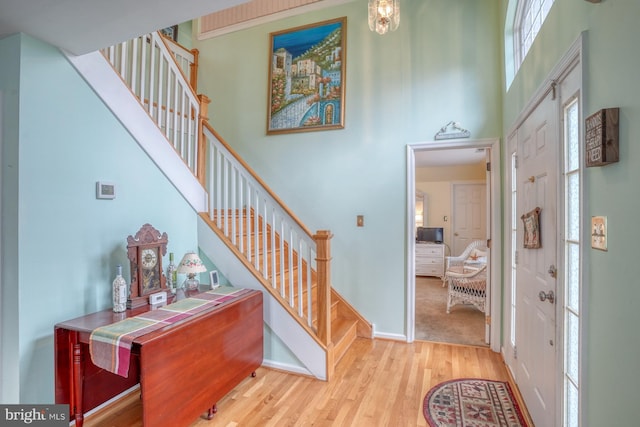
pixel 495 232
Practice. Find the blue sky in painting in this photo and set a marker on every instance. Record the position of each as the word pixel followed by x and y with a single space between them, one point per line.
pixel 298 42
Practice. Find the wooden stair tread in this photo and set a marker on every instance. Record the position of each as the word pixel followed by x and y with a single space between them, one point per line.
pixel 343 334
pixel 254 239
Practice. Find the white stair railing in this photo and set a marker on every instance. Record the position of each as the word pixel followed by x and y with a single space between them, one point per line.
pixel 284 251
pixel 291 261
pixel 149 68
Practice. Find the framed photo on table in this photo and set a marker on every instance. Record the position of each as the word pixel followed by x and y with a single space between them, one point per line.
pixel 307 77
pixel 213 279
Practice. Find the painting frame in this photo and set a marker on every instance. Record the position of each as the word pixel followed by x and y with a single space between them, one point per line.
pixel 170 32
pixel 306 83
pixel 214 280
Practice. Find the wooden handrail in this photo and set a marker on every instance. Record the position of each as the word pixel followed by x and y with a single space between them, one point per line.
pixel 257 178
pixel 203 119
pixel 166 42
pixel 240 256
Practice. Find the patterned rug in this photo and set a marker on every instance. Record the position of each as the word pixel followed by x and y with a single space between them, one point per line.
pixel 471 402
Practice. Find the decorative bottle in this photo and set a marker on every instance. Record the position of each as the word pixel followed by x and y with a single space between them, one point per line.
pixel 172 274
pixel 119 292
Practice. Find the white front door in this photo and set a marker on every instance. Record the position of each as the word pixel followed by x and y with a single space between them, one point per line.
pixel 537 183
pixel 469 215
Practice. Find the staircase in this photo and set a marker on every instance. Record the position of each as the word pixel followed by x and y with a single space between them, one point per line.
pixel 254 238
pixel 290 263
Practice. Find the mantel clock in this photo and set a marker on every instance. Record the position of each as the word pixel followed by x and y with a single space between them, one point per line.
pixel 145 251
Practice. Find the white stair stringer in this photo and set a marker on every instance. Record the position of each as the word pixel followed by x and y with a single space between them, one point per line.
pixel 294 336
pixel 108 85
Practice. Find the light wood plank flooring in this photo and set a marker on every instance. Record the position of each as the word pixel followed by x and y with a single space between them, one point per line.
pixel 377 383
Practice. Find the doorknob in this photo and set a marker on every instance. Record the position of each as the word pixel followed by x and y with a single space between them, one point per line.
pixel 547 296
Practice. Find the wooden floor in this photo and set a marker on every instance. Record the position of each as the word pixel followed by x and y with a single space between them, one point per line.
pixel 377 383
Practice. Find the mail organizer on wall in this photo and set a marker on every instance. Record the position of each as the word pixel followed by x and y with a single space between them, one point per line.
pixel 601 137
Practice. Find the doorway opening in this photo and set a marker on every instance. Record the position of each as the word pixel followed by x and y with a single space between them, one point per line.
pixel 437 171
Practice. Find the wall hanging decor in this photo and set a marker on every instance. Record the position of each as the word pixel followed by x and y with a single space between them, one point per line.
pixel 601 137
pixel 599 232
pixel 170 32
pixel 306 77
pixel 452 130
pixel 531 221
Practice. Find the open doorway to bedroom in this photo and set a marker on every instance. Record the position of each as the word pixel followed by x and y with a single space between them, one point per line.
pixel 453 194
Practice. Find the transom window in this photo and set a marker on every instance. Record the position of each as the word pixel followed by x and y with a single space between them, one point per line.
pixel 530 14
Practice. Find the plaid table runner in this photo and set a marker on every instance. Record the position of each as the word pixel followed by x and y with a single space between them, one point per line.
pixel 110 345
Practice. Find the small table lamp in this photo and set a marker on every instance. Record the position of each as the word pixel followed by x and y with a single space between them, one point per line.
pixel 190 265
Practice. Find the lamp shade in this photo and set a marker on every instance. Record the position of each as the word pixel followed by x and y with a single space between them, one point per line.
pixel 191 264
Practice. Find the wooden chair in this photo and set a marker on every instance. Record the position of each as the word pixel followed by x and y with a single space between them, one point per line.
pixel 467 286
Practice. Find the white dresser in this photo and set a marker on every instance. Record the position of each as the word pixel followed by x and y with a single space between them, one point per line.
pixel 429 259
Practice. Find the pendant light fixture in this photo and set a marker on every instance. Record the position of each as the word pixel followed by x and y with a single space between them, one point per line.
pixel 384 15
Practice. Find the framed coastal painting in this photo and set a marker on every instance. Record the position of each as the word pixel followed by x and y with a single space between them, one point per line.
pixel 307 77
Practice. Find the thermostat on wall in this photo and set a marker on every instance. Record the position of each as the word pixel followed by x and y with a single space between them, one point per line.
pixel 105 190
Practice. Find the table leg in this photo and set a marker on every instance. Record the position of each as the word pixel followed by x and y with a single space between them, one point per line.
pixel 77 376
pixel 212 411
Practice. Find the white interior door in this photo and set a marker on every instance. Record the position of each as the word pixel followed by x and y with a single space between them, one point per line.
pixel 537 182
pixel 469 215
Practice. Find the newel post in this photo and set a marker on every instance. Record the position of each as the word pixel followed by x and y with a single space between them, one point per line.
pixel 193 70
pixel 323 265
pixel 202 141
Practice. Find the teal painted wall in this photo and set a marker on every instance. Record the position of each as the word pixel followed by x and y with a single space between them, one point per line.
pixel 9 86
pixel 611 378
pixel 70 242
pixel 442 64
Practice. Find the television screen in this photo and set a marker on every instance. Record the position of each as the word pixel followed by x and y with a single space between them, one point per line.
pixel 430 234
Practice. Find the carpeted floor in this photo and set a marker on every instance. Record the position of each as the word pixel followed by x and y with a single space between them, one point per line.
pixel 464 325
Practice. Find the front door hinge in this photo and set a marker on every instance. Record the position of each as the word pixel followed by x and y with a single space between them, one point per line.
pixel 515 258
pixel 515 158
pixel 515 352
pixel 488 166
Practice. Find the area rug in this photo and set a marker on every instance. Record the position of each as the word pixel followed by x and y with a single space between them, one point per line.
pixel 472 402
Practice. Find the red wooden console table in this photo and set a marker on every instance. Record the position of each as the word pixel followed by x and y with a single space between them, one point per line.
pixel 183 369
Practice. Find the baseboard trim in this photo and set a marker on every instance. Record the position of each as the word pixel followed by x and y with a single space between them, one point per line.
pixel 390 336
pixel 294 369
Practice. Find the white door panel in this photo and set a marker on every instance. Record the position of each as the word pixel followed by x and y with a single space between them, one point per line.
pixel 536 326
pixel 469 215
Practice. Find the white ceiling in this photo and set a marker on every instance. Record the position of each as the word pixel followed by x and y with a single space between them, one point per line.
pixel 450 157
pixel 82 26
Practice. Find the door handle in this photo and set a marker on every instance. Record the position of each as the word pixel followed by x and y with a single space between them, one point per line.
pixel 548 296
